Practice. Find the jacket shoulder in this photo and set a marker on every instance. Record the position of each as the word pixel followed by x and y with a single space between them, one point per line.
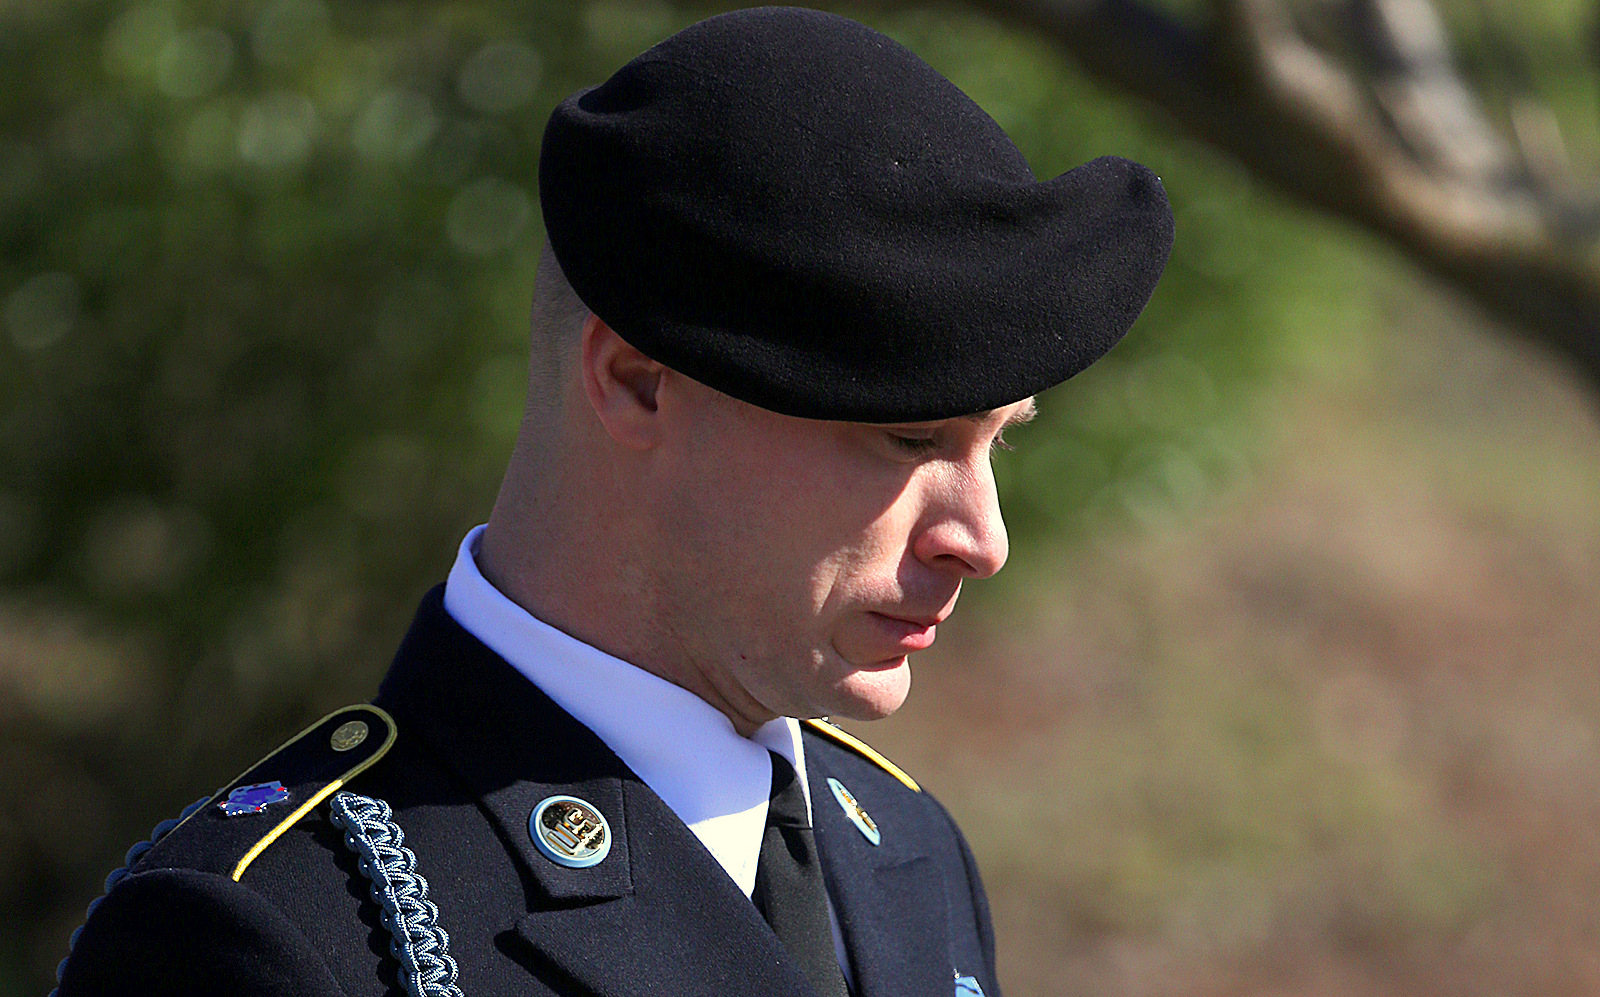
pixel 248 814
pixel 854 744
pixel 178 931
pixel 180 894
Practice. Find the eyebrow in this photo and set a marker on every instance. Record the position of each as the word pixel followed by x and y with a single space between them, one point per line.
pixel 1022 415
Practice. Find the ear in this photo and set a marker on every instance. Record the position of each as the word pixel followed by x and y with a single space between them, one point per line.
pixel 621 384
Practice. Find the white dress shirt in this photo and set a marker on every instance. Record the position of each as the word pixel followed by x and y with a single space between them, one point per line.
pixel 685 750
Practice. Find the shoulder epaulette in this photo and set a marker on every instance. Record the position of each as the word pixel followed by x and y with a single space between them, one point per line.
pixel 316 762
pixel 863 749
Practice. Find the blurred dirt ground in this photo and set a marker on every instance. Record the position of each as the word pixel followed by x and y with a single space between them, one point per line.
pixel 1335 735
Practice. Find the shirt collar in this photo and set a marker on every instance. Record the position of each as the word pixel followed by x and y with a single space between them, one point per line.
pixel 682 747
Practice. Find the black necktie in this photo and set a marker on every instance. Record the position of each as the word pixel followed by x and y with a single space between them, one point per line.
pixel 789 890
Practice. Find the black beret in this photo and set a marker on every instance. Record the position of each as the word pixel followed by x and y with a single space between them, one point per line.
pixel 794 209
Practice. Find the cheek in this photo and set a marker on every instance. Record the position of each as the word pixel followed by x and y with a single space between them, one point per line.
pixel 742 543
pixel 844 545
pixel 786 524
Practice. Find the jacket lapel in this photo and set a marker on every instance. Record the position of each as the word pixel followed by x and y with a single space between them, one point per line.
pixel 684 928
pixel 889 897
pixel 658 914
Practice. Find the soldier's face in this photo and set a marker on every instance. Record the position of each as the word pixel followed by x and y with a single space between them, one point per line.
pixel 809 558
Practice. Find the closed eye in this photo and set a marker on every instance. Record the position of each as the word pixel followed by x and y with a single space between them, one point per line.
pixel 915 446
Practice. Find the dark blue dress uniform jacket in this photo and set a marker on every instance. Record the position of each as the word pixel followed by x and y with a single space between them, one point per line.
pixel 478 747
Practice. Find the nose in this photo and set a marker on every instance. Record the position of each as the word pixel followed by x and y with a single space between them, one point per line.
pixel 963 531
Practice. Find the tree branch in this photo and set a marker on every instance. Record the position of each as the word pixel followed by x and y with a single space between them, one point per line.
pixel 1396 143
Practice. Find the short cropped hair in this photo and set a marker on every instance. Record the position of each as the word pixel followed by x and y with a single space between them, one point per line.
pixel 556 324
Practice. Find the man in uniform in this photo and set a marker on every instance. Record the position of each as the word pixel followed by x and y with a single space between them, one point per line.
pixel 796 286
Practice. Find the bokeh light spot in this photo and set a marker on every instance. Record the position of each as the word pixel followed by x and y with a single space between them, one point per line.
pixel 499 388
pixel 382 476
pixel 395 126
pixel 208 140
pixel 487 216
pixel 194 64
pixel 626 25
pixel 289 31
pixel 42 311
pixel 134 546
pixel 1169 392
pixel 501 76
pixel 278 129
pixel 62 667
pixel 135 40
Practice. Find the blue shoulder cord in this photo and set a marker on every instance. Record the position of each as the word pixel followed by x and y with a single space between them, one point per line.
pixel 426 968
pixel 134 855
pixel 415 938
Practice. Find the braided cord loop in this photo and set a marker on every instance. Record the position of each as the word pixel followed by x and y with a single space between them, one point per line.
pixel 415 938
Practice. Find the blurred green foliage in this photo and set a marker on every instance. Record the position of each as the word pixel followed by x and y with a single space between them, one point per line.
pixel 264 273
pixel 264 268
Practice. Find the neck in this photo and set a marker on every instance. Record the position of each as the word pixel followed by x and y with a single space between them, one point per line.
pixel 564 552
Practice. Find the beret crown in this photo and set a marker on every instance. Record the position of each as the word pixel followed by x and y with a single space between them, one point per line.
pixel 796 210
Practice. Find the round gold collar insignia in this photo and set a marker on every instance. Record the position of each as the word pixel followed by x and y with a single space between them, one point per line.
pixel 570 832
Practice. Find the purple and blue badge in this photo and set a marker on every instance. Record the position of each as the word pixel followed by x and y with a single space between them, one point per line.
pixel 254 798
pixel 967 986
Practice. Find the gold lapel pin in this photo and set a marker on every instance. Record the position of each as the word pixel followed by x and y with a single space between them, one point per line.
pixel 857 814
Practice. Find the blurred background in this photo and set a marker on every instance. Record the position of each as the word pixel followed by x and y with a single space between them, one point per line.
pixel 1291 686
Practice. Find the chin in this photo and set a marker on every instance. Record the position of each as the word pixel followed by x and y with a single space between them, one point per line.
pixel 871 694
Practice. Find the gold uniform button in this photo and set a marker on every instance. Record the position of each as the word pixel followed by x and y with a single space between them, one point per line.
pixel 348 735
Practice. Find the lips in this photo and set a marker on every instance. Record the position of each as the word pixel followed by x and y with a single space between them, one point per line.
pixel 878 639
pixel 903 635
